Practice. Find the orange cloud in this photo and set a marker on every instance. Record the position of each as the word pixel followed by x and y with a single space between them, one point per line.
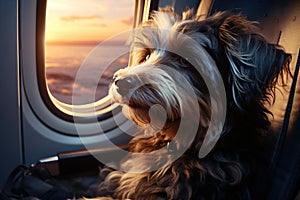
pixel 80 17
pixel 127 21
pixel 101 25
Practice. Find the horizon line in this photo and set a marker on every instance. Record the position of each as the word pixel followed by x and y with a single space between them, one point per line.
pixel 79 42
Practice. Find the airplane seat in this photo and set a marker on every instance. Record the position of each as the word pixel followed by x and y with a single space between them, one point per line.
pixel 283 150
pixel 279 23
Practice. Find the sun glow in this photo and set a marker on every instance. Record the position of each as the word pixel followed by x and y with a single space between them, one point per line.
pixel 86 20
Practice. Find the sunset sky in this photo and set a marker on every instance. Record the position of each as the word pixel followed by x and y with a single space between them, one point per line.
pixel 87 20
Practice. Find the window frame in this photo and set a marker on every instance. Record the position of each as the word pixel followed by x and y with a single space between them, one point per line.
pixel 104 108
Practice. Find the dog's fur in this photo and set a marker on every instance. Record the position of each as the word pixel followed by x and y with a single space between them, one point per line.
pixel 250 68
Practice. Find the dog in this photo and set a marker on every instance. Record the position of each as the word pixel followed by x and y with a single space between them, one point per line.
pixel 176 65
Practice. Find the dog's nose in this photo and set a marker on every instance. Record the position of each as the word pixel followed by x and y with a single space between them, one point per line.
pixel 125 84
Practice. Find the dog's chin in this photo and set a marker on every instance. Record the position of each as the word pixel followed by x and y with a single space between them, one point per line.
pixel 154 123
pixel 154 116
pixel 139 116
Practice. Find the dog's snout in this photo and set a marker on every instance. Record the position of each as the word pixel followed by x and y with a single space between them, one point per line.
pixel 125 84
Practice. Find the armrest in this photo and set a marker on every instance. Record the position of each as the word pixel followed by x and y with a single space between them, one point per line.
pixel 74 162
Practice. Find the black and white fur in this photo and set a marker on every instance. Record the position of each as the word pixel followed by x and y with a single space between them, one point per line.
pixel 250 68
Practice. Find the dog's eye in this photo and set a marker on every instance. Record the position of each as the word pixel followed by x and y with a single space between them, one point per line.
pixel 184 62
pixel 145 58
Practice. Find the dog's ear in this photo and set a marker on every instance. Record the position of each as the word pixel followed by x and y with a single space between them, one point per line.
pixel 255 66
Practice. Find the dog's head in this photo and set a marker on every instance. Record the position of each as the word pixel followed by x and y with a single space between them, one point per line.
pixel 161 72
pixel 173 58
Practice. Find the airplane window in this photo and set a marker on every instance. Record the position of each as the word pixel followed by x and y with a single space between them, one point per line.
pixel 73 30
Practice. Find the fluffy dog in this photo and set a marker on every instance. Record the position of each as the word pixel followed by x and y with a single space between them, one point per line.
pixel 173 72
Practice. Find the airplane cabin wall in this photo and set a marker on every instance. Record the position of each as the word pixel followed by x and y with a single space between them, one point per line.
pixel 10 123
